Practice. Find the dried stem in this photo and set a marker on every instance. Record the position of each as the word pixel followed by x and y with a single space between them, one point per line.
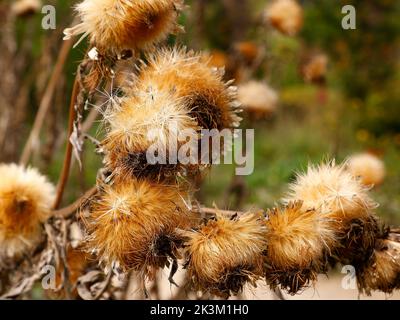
pixel 45 102
pixel 68 153
pixel 72 208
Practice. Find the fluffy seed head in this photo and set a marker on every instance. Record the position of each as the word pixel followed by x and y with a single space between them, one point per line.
pixel 143 121
pixel 126 24
pixel 297 243
pixel 224 254
pixel 258 98
pixel 286 16
pixel 210 100
pixel 333 191
pixel 340 198
pixel 133 225
pixel 25 203
pixel 382 272
pixel 368 167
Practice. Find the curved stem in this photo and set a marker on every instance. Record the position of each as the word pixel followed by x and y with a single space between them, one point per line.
pixel 67 211
pixel 68 153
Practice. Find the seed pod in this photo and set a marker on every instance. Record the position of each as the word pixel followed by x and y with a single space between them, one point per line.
pixel 286 16
pixel 224 254
pixel 209 100
pixel 144 136
pixel 133 225
pixel 25 204
pixel 298 241
pixel 382 271
pixel 368 167
pixel 125 24
pixel 340 198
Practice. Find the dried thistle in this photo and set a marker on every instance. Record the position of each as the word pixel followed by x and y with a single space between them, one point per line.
pixel 224 254
pixel 340 198
pixel 25 204
pixel 124 24
pixel 258 99
pixel 298 242
pixel 382 271
pixel 368 167
pixel 286 16
pixel 145 120
pixel 133 225
pixel 209 100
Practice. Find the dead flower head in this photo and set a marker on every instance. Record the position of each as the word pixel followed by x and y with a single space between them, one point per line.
pixel 368 168
pixel 133 225
pixel 25 204
pixel 340 198
pixel 382 271
pixel 298 242
pixel 126 24
pixel 208 99
pixel 226 253
pixel 258 98
pixel 286 16
pixel 143 121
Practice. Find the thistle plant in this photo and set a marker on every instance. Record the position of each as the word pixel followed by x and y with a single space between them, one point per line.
pixel 142 217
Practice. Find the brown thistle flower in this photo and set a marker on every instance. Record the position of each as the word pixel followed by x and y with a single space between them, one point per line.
pixel 224 254
pixel 133 226
pixel 258 99
pixel 340 198
pixel 368 167
pixel 25 204
pixel 141 122
pixel 382 271
pixel 298 242
pixel 126 24
pixel 286 16
pixel 209 100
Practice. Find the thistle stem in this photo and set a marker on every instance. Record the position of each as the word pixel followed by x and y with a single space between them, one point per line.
pixel 68 153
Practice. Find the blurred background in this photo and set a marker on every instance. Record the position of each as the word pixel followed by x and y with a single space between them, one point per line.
pixel 311 90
